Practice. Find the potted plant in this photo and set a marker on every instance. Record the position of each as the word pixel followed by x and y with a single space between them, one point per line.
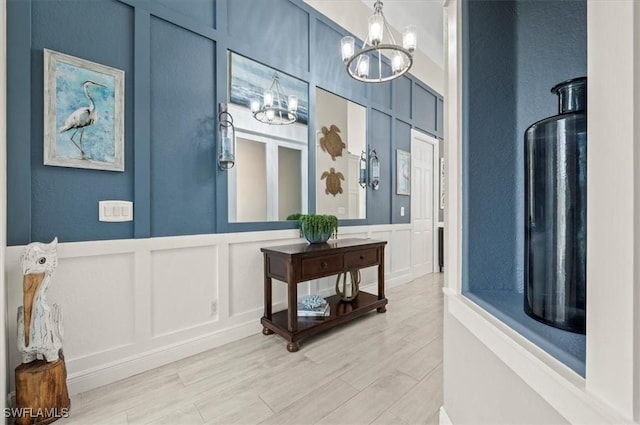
pixel 318 228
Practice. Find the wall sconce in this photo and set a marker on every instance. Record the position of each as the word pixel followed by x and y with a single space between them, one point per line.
pixel 374 170
pixel 362 180
pixel 226 139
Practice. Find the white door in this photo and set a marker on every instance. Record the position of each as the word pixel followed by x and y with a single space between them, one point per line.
pixel 424 153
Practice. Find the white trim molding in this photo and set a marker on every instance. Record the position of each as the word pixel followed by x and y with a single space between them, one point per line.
pixel 558 385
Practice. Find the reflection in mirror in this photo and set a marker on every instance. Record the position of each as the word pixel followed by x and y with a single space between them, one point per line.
pixel 270 179
pixel 340 141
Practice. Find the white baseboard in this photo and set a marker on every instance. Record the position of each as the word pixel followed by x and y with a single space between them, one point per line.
pixel 444 418
pixel 109 373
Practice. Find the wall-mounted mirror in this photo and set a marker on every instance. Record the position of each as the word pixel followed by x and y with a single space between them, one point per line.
pixel 341 137
pixel 270 178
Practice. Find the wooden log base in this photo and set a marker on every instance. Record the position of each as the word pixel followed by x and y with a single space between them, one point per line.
pixel 293 346
pixel 41 392
pixel 267 331
pixel 382 309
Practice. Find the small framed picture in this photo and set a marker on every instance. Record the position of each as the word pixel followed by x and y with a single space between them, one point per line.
pixel 83 113
pixel 403 172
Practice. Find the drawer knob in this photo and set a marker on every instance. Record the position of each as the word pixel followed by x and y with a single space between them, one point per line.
pixel 324 265
pixel 362 257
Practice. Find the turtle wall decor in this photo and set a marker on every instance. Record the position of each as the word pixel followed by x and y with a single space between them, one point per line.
pixel 333 181
pixel 331 142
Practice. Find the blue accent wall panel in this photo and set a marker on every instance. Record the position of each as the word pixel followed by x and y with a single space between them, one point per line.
pixel 516 52
pixel 183 131
pixel 203 11
pixel 18 122
pixel 424 108
pixel 401 140
pixel 175 67
pixel 65 200
pixel 330 70
pixel 378 206
pixel 277 32
pixel 491 146
pixel 402 98
pixel 381 92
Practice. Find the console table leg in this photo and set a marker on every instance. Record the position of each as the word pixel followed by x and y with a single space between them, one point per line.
pixel 267 331
pixel 267 292
pixel 293 346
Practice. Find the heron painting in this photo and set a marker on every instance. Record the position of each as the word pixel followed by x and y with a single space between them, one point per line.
pixel 84 107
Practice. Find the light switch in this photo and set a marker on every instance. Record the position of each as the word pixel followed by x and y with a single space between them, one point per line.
pixel 401 211
pixel 115 211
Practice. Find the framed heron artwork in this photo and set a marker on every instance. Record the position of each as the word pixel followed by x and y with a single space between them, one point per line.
pixel 83 113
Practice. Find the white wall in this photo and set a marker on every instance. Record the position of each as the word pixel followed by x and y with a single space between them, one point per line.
pixel 486 376
pixel 131 305
pixel 501 377
pixel 352 15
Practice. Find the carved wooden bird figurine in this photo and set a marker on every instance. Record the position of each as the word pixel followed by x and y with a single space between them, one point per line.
pixel 39 327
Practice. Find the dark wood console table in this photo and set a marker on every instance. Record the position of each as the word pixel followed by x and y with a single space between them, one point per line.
pixel 297 263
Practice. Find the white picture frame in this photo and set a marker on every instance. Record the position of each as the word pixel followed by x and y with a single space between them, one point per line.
pixel 403 172
pixel 83 113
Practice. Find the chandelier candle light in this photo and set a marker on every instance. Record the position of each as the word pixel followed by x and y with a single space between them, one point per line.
pixel 275 110
pixel 401 57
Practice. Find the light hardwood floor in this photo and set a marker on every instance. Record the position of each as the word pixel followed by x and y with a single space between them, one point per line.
pixel 379 369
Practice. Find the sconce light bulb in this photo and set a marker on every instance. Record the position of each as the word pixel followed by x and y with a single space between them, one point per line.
pixel 376 29
pixel 363 66
pixel 293 103
pixel 397 63
pixel 409 38
pixel 255 105
pixel 268 98
pixel 348 47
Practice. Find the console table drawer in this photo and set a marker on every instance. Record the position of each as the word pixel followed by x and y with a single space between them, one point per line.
pixel 314 267
pixel 364 258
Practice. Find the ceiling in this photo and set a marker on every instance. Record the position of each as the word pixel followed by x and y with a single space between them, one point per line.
pixel 426 15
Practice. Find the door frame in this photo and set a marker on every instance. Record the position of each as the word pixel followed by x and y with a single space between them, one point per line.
pixel 418 137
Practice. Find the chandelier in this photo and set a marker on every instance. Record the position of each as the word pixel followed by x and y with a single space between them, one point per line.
pixel 274 109
pixel 359 63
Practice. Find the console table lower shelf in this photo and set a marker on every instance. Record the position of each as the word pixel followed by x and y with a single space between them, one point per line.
pixel 340 312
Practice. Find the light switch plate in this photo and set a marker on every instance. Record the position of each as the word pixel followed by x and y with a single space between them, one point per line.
pixel 401 211
pixel 115 211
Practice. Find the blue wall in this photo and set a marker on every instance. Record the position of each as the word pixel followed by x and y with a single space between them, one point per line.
pixel 515 51
pixel 174 54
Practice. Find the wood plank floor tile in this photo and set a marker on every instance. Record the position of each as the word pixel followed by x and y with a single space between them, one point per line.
pixel 381 369
pixel 236 408
pixel 314 406
pixel 187 416
pixel 370 403
pixel 418 406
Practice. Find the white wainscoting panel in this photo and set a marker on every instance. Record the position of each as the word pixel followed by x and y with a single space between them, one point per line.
pixel 96 294
pixel 246 277
pixel 132 305
pixel 184 284
pixel 401 251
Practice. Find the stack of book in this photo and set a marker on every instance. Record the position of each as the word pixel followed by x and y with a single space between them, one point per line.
pixel 319 310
